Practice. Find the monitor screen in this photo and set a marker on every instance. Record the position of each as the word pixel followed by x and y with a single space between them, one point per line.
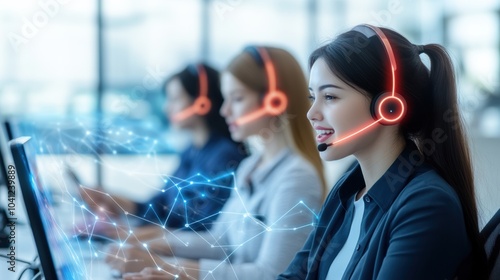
pixel 60 252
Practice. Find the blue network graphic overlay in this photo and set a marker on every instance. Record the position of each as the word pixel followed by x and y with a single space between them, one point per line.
pixel 79 226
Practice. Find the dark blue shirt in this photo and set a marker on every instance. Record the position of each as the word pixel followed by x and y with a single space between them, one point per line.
pixel 412 227
pixel 197 190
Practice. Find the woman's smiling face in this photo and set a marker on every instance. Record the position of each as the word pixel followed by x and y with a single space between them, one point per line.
pixel 337 112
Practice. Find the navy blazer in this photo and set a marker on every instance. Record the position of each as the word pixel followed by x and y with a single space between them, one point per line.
pixel 187 198
pixel 412 227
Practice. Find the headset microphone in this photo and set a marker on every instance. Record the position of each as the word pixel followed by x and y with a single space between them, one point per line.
pixel 323 146
pixel 386 108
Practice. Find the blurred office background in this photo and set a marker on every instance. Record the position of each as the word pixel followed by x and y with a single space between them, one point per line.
pixel 85 61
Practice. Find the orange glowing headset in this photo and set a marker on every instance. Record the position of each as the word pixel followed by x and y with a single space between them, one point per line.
pixel 275 101
pixel 386 108
pixel 201 105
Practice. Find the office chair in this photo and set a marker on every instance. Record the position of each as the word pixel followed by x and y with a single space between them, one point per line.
pixel 491 236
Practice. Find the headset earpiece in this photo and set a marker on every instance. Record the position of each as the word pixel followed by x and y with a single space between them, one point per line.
pixel 388 108
pixel 202 104
pixel 275 103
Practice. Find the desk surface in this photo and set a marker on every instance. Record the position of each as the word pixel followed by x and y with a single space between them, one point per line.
pixel 24 250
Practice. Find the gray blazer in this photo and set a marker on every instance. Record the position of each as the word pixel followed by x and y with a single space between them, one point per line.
pixel 267 219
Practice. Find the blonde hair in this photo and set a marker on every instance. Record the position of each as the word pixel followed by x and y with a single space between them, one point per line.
pixel 291 81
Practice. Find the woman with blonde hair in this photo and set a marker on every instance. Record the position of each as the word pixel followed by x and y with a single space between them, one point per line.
pixel 278 190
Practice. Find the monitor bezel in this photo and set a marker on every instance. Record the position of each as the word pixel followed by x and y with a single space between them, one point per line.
pixel 27 187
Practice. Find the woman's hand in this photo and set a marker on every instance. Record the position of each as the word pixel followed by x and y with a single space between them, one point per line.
pixel 131 258
pixel 188 270
pixel 109 205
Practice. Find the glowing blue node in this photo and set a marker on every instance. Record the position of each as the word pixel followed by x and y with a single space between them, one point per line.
pixel 186 225
pixel 145 245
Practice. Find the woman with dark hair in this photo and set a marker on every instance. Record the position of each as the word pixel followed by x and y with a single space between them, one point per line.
pixel 212 155
pixel 186 85
pixel 408 209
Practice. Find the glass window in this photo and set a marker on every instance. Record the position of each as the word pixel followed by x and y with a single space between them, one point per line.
pixel 234 25
pixel 46 54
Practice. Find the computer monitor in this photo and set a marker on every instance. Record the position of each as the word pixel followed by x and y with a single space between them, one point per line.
pixel 4 155
pixel 9 130
pixel 5 159
pixel 60 254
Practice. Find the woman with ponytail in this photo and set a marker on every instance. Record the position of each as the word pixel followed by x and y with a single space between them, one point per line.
pixel 408 209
